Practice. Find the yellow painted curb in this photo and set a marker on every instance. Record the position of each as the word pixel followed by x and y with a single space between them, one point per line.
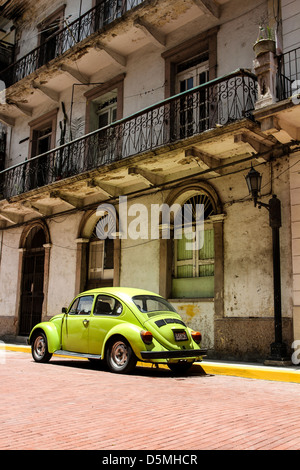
pixel 253 372
pixel 27 349
pixel 249 372
pixel 16 348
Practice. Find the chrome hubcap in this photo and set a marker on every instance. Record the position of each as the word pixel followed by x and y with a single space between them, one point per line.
pixel 119 354
pixel 40 346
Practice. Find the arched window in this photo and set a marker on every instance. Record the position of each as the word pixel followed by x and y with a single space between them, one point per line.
pixel 194 263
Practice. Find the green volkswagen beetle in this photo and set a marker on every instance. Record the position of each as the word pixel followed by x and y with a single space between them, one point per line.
pixel 119 326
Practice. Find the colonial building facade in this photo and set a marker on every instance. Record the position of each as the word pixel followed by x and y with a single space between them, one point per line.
pixel 112 107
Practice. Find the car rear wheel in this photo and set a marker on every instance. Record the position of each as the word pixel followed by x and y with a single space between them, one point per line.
pixel 39 348
pixel 119 357
pixel 180 367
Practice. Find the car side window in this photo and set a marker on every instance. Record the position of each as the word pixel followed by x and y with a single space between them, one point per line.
pixel 82 305
pixel 106 305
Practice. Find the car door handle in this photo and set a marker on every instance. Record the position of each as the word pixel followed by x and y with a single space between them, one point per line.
pixel 85 322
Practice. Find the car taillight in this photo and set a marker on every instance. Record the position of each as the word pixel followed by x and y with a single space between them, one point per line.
pixel 146 337
pixel 196 335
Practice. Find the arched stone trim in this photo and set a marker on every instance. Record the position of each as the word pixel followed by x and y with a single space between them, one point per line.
pixel 183 193
pixel 41 224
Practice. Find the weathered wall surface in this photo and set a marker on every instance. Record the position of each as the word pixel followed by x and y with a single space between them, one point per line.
pixel 62 268
pixel 295 223
pixel 237 36
pixel 198 315
pixel 9 268
pixel 290 24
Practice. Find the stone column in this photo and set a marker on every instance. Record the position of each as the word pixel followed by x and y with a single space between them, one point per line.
pixel 47 247
pixel 217 221
pixel 265 68
pixel 81 264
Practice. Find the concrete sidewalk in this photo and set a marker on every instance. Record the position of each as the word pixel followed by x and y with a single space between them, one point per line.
pixel 252 371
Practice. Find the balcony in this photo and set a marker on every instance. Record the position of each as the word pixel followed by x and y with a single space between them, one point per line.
pixel 288 74
pixel 277 108
pixel 181 118
pixel 63 40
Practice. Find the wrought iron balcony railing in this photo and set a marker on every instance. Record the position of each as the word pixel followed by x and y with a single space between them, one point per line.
pixel 288 74
pixel 95 19
pixel 216 103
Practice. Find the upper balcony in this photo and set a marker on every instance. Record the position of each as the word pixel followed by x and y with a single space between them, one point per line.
pixel 288 77
pixel 278 112
pixel 63 39
pixel 121 157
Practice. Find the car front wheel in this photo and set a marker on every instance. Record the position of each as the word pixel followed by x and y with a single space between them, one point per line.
pixel 39 348
pixel 119 357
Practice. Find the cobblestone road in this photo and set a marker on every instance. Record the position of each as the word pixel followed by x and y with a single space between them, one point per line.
pixel 71 404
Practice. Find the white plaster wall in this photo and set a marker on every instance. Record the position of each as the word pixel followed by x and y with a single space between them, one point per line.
pixel 290 24
pixel 139 266
pixel 62 268
pixel 9 256
pixel 237 36
pixel 247 265
pixel 17 152
pixel 140 257
pixel 144 82
pixel 295 223
pixel 200 317
pixel 295 218
pixel 248 269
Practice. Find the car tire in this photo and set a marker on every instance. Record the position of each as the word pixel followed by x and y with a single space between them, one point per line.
pixel 180 367
pixel 120 357
pixel 39 348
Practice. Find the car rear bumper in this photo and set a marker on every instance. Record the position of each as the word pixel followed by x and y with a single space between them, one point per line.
pixel 182 353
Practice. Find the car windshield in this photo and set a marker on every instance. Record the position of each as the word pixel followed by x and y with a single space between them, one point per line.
pixel 152 304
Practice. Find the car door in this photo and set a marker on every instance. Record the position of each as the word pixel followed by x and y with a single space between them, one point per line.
pixel 75 331
pixel 106 314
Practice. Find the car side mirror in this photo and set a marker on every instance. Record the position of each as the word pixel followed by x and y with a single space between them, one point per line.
pixel 64 310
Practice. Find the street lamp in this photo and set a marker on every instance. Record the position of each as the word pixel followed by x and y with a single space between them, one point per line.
pixel 253 179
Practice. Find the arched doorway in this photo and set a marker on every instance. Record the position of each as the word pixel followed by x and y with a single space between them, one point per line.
pixel 32 282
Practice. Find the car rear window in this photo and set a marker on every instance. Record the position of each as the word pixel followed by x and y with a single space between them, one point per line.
pixel 151 303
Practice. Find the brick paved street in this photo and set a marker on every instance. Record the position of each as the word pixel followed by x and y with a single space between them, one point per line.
pixel 70 404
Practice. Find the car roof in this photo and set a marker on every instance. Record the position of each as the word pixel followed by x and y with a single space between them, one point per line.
pixel 119 291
